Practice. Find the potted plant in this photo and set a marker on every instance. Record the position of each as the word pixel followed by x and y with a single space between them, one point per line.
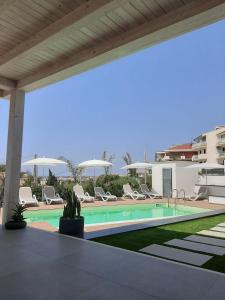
pixel 72 223
pixel 18 220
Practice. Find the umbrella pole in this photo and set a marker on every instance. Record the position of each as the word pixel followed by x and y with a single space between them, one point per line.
pixel 94 178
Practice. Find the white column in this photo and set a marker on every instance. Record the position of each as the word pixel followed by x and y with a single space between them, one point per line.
pixel 14 151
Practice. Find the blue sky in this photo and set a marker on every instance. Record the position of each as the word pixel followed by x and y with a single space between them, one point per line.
pixel 156 97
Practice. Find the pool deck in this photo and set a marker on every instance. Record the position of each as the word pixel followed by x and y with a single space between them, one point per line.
pixel 39 265
pixel 97 228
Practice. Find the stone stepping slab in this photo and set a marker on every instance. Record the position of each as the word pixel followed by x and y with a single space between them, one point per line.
pixel 196 246
pixel 184 256
pixel 221 224
pixel 212 233
pixel 218 228
pixel 206 240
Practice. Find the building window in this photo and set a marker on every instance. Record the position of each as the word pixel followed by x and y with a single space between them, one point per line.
pixel 214 172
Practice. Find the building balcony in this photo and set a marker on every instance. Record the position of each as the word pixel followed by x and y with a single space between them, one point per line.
pixel 195 158
pixel 199 145
pixel 221 155
pixel 220 142
pixel 202 157
pixel 166 158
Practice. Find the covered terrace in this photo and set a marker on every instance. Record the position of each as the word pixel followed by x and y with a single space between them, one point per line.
pixel 42 42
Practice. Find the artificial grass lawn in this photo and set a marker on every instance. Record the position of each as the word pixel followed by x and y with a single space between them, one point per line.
pixel 136 240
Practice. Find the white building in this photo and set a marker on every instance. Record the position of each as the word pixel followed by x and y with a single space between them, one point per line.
pixel 210 146
pixel 170 176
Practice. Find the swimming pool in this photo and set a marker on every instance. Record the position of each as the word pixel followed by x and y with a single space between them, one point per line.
pixel 118 213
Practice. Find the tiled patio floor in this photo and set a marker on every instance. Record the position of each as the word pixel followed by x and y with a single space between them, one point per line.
pixel 38 265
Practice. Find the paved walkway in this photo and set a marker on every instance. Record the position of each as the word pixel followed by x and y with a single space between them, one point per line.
pixel 38 265
pixel 177 249
pixel 199 247
pixel 187 257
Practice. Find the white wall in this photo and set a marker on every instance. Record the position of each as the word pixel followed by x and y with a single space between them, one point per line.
pixel 186 179
pixel 212 180
pixel 157 180
pixel 182 178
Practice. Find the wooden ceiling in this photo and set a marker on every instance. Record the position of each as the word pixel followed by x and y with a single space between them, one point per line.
pixel 43 41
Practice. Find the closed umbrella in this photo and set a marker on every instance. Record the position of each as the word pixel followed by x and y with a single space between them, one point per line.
pixel 94 163
pixel 206 166
pixel 139 165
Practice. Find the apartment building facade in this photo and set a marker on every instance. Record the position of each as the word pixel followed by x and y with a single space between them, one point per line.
pixel 210 146
pixel 183 152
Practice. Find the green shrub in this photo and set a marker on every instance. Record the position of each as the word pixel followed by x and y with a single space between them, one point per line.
pixel 65 189
pixel 88 186
pixel 37 191
pixel 72 208
pixel 114 183
pixel 148 181
pixel 52 179
pixel 18 213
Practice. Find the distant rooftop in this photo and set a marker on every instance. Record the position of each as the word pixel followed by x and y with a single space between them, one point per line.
pixel 186 146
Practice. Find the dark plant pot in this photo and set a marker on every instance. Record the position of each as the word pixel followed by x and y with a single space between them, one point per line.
pixel 15 225
pixel 73 227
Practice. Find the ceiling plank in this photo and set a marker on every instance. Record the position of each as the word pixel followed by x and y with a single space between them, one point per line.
pixel 7 84
pixel 5 5
pixel 193 15
pixel 80 16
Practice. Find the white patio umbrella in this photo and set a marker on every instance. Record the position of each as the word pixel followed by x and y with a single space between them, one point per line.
pixel 44 161
pixel 94 163
pixel 139 165
pixel 206 166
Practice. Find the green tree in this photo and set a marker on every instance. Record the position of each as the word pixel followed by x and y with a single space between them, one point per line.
pixel 107 157
pixel 52 180
pixel 128 161
pixel 29 180
pixel 74 171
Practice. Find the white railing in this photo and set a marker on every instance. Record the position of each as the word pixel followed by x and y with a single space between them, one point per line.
pixel 221 154
pixel 202 156
pixel 195 158
pixel 199 145
pixel 221 141
pixel 166 157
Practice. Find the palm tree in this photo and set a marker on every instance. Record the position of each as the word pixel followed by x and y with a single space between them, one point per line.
pixel 107 157
pixel 75 171
pixel 128 161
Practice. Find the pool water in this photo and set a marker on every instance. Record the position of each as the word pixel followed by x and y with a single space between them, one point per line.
pixel 118 213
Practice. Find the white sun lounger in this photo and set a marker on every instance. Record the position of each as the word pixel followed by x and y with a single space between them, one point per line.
pixel 50 196
pixel 100 193
pixel 200 193
pixel 26 197
pixel 128 192
pixel 81 195
pixel 150 194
